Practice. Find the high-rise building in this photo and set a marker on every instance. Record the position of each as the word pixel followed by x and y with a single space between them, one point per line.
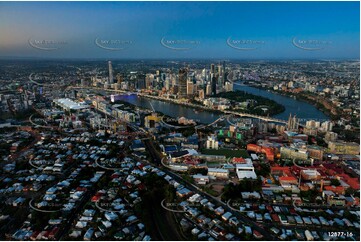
pixel 167 83
pixel 149 81
pixel 224 72
pixel 331 136
pixel 220 70
pixel 119 78
pixel 292 123
pixel 208 90
pixel 190 88
pixel 182 83
pixel 118 84
pixel 140 83
pixel 212 69
pixel 212 142
pixel 228 86
pixel 110 69
pixel 214 85
pixel 201 95
pixel 327 126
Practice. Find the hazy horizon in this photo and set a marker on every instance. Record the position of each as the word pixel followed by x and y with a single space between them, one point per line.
pixel 180 30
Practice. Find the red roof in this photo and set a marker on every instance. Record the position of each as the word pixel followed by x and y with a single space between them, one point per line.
pixel 280 168
pixel 238 160
pixel 141 186
pixel 287 178
pixel 335 189
pixel 46 234
pixel 114 176
pixel 257 234
pixel 292 211
pixel 269 208
pixel 81 189
pixel 95 198
pixel 353 182
pixel 275 217
pixel 54 232
pixel 34 235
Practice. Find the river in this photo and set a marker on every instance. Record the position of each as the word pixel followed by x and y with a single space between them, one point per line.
pixel 303 110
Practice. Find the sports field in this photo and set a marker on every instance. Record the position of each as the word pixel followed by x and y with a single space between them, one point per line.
pixel 226 152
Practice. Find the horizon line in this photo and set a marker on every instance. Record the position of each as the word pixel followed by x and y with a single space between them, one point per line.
pixel 177 58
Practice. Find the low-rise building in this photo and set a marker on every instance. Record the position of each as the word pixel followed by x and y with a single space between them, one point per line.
pixel 294 153
pixel 201 179
pixel 218 173
pixel 245 170
pixel 344 148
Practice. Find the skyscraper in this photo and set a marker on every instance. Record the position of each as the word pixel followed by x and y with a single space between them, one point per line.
pixel 140 83
pixel 149 81
pixel 182 83
pixel 220 71
pixel 214 84
pixel 110 69
pixel 208 90
pixel 224 72
pixel 190 88
pixel 167 83
pixel 292 123
pixel 212 69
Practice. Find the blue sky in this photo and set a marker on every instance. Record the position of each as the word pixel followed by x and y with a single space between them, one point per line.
pixel 271 26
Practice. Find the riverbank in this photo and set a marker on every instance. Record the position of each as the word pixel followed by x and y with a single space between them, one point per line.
pixel 303 109
pixel 177 108
pixel 263 106
pixel 196 106
pixel 303 98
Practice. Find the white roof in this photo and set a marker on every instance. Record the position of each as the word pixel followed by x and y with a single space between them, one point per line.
pixel 311 172
pixel 81 224
pixel 246 174
pixel 218 170
pixel 66 102
pixel 199 176
pixel 254 156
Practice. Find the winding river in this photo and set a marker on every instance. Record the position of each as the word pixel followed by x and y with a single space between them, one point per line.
pixel 304 111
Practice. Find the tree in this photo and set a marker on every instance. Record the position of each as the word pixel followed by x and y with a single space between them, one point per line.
pixel 335 182
pixel 195 170
pixel 350 191
pixel 264 170
pixel 170 193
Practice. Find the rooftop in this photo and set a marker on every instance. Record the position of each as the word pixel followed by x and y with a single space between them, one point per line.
pixel 68 103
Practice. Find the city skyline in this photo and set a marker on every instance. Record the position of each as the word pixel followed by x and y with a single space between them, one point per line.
pixel 180 30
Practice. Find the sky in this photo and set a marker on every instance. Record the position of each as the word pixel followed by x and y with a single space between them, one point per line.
pixel 169 30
